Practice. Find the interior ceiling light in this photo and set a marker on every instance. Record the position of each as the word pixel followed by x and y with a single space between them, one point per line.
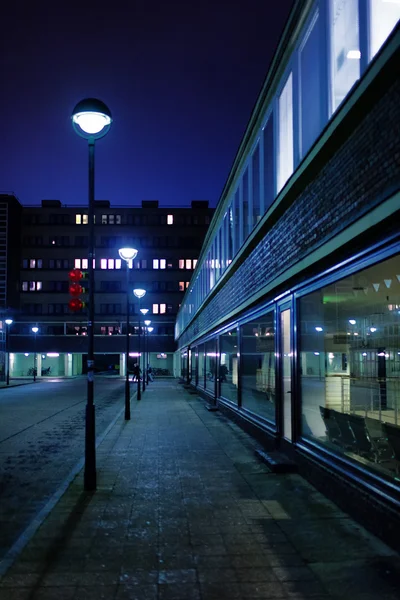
pixel 355 54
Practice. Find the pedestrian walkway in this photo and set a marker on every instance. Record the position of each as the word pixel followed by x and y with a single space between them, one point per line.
pixel 184 511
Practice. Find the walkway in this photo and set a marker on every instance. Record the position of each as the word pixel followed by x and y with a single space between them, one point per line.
pixel 184 511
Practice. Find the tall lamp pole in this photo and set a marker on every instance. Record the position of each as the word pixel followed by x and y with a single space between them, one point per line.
pixel 146 339
pixel 127 254
pixel 144 312
pixel 139 293
pixel 91 119
pixel 34 330
pixel 149 330
pixel 8 322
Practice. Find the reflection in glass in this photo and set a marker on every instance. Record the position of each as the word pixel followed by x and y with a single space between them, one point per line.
pixel 350 366
pixel 210 362
pixel 201 367
pixel 228 368
pixel 258 367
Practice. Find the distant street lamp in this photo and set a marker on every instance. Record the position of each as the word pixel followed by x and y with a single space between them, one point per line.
pixel 146 345
pixel 8 322
pixel 34 330
pixel 139 293
pixel 91 119
pixel 127 254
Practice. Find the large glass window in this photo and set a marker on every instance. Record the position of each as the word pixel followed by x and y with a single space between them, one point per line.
pixel 350 366
pixel 245 205
pixel 228 368
pixel 311 98
pixel 193 364
pixel 201 366
pixel 258 366
pixel 268 146
pixel 345 48
pixel 285 150
pixel 255 169
pixel 211 362
pixel 384 15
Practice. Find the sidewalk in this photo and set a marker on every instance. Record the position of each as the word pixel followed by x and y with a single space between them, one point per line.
pixel 184 511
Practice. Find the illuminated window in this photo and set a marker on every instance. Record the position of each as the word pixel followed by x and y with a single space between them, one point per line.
pixel 181 263
pixel 104 219
pixel 170 219
pixel 78 219
pixel 118 263
pixel 188 263
pixel 155 263
pixel 163 263
pixel 85 219
pixel 155 309
pixel 163 309
pixel 77 263
pixel 285 141
pixel 187 284
pixel 103 263
pixel 38 285
pixel 384 16
pixel 85 264
pixel 32 263
pixel 182 286
pixel 111 263
pixel 194 263
pixel 24 286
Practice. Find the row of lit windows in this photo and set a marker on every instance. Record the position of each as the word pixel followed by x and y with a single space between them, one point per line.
pixel 310 91
pixel 110 219
pixel 66 241
pixel 110 308
pixel 108 263
pixel 118 219
pixel 70 329
pixel 105 286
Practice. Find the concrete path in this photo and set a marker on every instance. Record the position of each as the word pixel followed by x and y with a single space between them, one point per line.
pixel 184 511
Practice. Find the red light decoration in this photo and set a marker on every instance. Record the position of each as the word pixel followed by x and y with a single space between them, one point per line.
pixel 75 304
pixel 75 289
pixel 75 275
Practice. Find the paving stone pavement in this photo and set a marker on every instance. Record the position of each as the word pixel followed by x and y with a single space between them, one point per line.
pixel 185 511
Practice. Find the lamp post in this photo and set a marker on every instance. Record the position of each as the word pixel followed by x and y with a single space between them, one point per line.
pixel 127 254
pixel 8 322
pixel 34 330
pixel 144 312
pixel 91 119
pixel 146 343
pixel 139 293
pixel 149 330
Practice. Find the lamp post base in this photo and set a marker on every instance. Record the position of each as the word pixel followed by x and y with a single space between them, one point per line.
pixel 90 450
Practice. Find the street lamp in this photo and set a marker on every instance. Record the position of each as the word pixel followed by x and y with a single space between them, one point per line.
pixel 139 293
pixel 149 330
pixel 91 119
pixel 34 330
pixel 144 312
pixel 8 322
pixel 146 349
pixel 127 254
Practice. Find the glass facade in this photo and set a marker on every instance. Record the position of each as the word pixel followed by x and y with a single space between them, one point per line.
pixel 350 366
pixel 259 366
pixel 228 367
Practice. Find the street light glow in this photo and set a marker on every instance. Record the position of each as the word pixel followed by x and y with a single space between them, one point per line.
pixel 147 322
pixel 127 254
pixel 139 292
pixel 91 122
pixel 144 311
pixel 35 329
pixel 9 321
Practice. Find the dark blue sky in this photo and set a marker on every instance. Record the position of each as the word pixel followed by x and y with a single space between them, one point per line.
pixel 180 78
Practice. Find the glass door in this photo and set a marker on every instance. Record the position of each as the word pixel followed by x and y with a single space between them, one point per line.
pixel 286 354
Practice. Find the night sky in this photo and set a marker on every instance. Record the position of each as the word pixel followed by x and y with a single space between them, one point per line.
pixel 180 78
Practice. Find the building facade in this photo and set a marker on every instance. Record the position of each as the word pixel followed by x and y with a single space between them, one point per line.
pixel 52 239
pixel 291 322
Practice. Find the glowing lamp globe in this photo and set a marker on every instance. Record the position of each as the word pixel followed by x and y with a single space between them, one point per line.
pixel 139 293
pixel 35 329
pixel 9 321
pixel 75 304
pixel 91 118
pixel 127 254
